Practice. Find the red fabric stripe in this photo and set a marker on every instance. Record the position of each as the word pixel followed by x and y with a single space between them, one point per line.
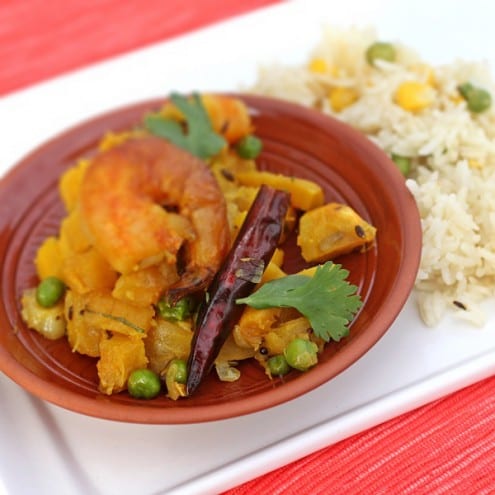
pixel 446 447
pixel 40 39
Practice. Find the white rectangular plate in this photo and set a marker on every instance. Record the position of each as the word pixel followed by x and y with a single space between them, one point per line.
pixel 57 451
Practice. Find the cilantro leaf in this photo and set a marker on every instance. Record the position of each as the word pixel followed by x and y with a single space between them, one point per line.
pixel 198 138
pixel 327 300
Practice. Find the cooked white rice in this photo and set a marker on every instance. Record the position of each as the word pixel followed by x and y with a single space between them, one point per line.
pixel 452 151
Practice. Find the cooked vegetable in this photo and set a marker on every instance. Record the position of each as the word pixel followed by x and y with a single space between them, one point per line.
pixel 380 50
pixel 280 334
pixel 49 292
pixel 277 365
pixel 70 184
pixel 228 357
pixel 239 274
pixel 333 230
pixel 178 368
pixel 98 309
pixel 327 300
pixel 229 116
pixel 175 378
pixel 73 236
pixel 249 147
pixel 403 163
pixel 48 321
pixel 199 139
pixel 304 194
pixel 120 355
pixel 478 99
pixel 48 259
pixel 88 271
pixel 227 372
pixel 167 341
pixel 318 66
pixel 179 311
pixel 83 338
pixel 301 354
pixel 143 384
pixel 414 96
pixel 144 287
pixel 342 97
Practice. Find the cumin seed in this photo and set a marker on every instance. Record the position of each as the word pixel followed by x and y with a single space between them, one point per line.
pixel 359 231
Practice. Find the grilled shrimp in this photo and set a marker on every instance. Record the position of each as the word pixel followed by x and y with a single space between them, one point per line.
pixel 145 200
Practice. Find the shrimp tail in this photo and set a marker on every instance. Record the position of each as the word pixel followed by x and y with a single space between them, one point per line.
pixel 191 283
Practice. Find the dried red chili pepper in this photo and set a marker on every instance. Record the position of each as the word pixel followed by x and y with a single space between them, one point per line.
pixel 237 277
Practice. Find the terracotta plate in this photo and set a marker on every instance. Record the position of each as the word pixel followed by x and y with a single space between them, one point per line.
pixel 297 141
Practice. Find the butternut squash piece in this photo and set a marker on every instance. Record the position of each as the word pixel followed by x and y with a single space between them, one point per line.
pixel 88 271
pixel 272 271
pixel 278 257
pixel 83 338
pixel 105 312
pixel 120 355
pixel 73 236
pixel 305 194
pixel 279 337
pixel 48 259
pixel 242 196
pixel 253 325
pixel 70 184
pixel 226 166
pixel 333 230
pixel 112 139
pixel 144 287
pixel 229 116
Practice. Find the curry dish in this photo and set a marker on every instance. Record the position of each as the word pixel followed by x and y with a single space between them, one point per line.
pixel 148 247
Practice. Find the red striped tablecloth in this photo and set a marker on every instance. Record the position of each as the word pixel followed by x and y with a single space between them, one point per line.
pixel 447 446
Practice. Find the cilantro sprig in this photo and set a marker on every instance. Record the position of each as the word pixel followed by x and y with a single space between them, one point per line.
pixel 198 136
pixel 327 299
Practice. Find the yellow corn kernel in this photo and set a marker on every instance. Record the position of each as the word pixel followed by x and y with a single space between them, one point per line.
pixel 341 98
pixel 318 65
pixel 475 164
pixel 414 96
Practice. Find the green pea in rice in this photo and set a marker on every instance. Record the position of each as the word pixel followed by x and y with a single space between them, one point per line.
pixel 452 153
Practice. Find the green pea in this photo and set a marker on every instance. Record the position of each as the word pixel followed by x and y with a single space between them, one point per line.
pixel 278 365
pixel 49 292
pixel 179 311
pixel 403 163
pixel 478 99
pixel 178 370
pixel 380 50
pixel 301 354
pixel 143 384
pixel 249 147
